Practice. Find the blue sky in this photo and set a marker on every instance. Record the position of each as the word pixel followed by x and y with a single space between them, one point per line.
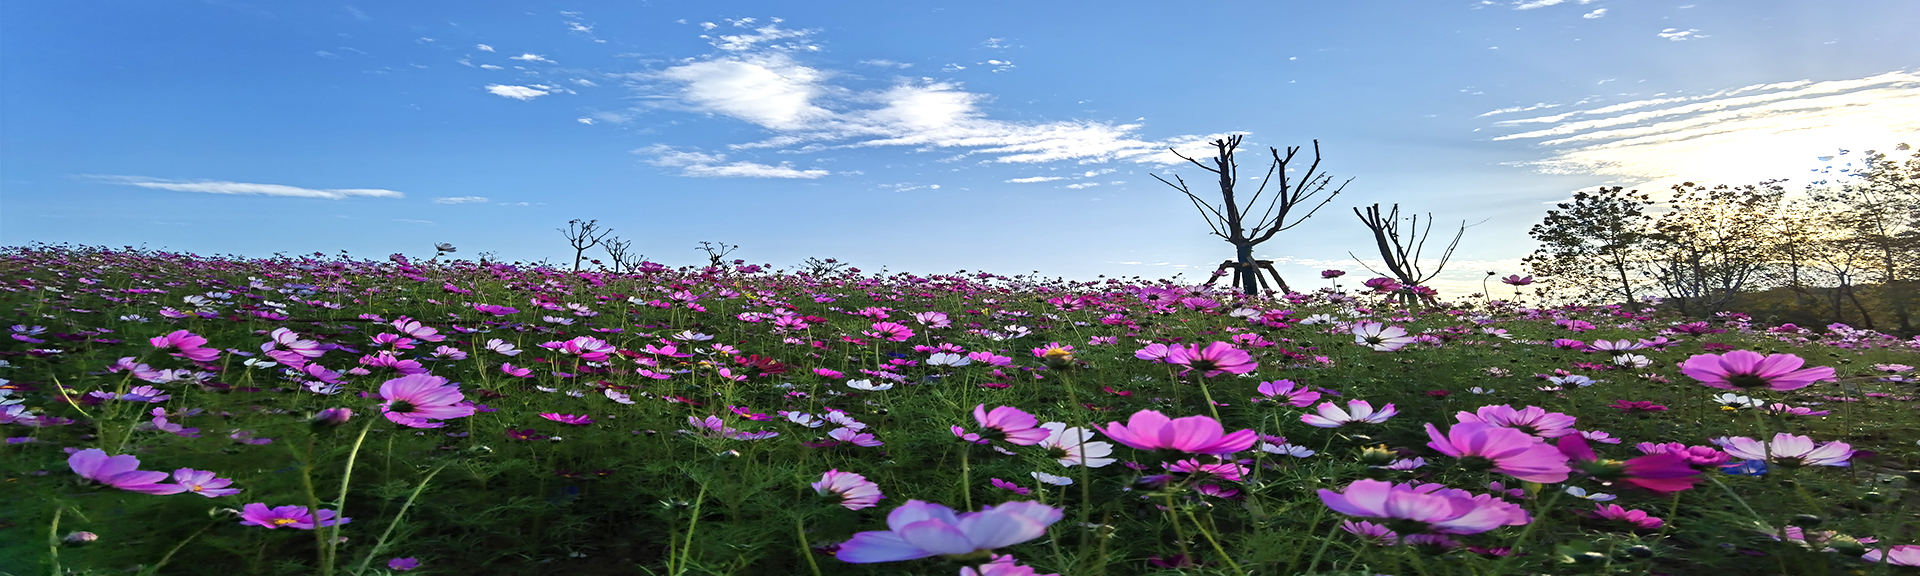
pixel 921 136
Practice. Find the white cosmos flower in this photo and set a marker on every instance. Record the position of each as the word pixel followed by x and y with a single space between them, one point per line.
pixel 868 385
pixel 1578 492
pixel 1051 479
pixel 1074 446
pixel 948 359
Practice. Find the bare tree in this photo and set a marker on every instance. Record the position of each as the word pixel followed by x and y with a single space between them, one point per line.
pixel 583 234
pixel 819 267
pixel 621 253
pixel 717 250
pixel 1228 219
pixel 1401 249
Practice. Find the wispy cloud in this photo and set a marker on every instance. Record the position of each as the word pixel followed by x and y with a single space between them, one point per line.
pixel 703 165
pixel 245 188
pixel 532 58
pixel 516 92
pixel 1678 35
pixel 1034 179
pixel 484 47
pixel 758 77
pixel 1601 13
pixel 460 200
pixel 1738 135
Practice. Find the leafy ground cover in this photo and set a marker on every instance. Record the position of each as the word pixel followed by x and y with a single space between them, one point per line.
pixel 178 414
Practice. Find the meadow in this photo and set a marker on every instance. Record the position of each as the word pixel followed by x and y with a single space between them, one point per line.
pixel 179 414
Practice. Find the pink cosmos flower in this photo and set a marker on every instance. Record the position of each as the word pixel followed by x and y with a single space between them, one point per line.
pixel 1508 451
pixel 919 529
pixel 1902 555
pixel 1006 422
pixel 855 437
pixel 403 564
pixel 1357 412
pixel 989 358
pixel 257 514
pixel 1698 457
pixel 854 491
pixel 1637 518
pixel 1531 420
pixel 204 483
pixel 1213 360
pixel 415 400
pixel 1151 430
pixel 1285 391
pixel 1636 406
pixel 1745 369
pixel 516 371
pixel 120 472
pixel 893 331
pixel 415 329
pixel 576 420
pixel 1153 353
pixel 1009 486
pixel 1425 508
pixel 191 346
pixel 1001 565
pixel 1790 410
pixel 1662 472
pixel 932 319
pixel 1787 449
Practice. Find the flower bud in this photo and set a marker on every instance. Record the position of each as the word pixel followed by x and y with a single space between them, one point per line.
pixel 1376 455
pixel 1847 545
pixel 80 538
pixel 330 418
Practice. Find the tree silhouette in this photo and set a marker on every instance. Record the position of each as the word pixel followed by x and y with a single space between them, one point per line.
pixel 582 234
pixel 1401 249
pixel 1228 219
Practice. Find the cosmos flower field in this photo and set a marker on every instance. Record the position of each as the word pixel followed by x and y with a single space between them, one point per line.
pixel 178 414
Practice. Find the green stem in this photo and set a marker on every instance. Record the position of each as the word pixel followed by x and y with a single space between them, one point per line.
pixel 340 503
pixel 1216 544
pixel 1324 542
pixel 1209 396
pixel 313 510
pixel 53 541
pixel 381 544
pixel 692 523
pixel 966 477
pixel 155 569
pixel 806 550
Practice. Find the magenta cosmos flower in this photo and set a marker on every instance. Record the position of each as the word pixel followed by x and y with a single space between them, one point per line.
pixel 1151 430
pixel 574 419
pixel 1664 472
pixel 1531 420
pixel 1902 555
pixel 1787 449
pixel 920 529
pixel 1424 508
pixel 1288 392
pixel 1005 422
pixel 1213 359
pixel 853 490
pixel 1746 370
pixel 204 483
pixel 415 400
pixel 257 514
pixel 1506 450
pixel 190 345
pixel 120 472
pixel 1639 519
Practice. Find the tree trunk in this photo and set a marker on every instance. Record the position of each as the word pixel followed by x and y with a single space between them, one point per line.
pixel 1248 271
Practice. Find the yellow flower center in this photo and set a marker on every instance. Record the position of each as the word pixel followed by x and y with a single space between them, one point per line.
pixel 282 521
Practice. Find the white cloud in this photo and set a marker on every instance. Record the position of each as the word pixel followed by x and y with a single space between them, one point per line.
pixel 1678 35
pixel 532 58
pixel 1035 179
pixel 1601 13
pixel 522 93
pixel 763 35
pixel 491 67
pixel 702 165
pixel 1082 185
pixel 246 189
pixel 1536 4
pixel 1734 136
pixel 770 90
pixel 1536 106
pixel 461 200
pixel 484 47
pixel 587 121
pixel 886 64
pixel 584 82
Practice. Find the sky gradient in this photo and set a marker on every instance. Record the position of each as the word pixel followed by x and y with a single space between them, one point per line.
pixel 919 136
